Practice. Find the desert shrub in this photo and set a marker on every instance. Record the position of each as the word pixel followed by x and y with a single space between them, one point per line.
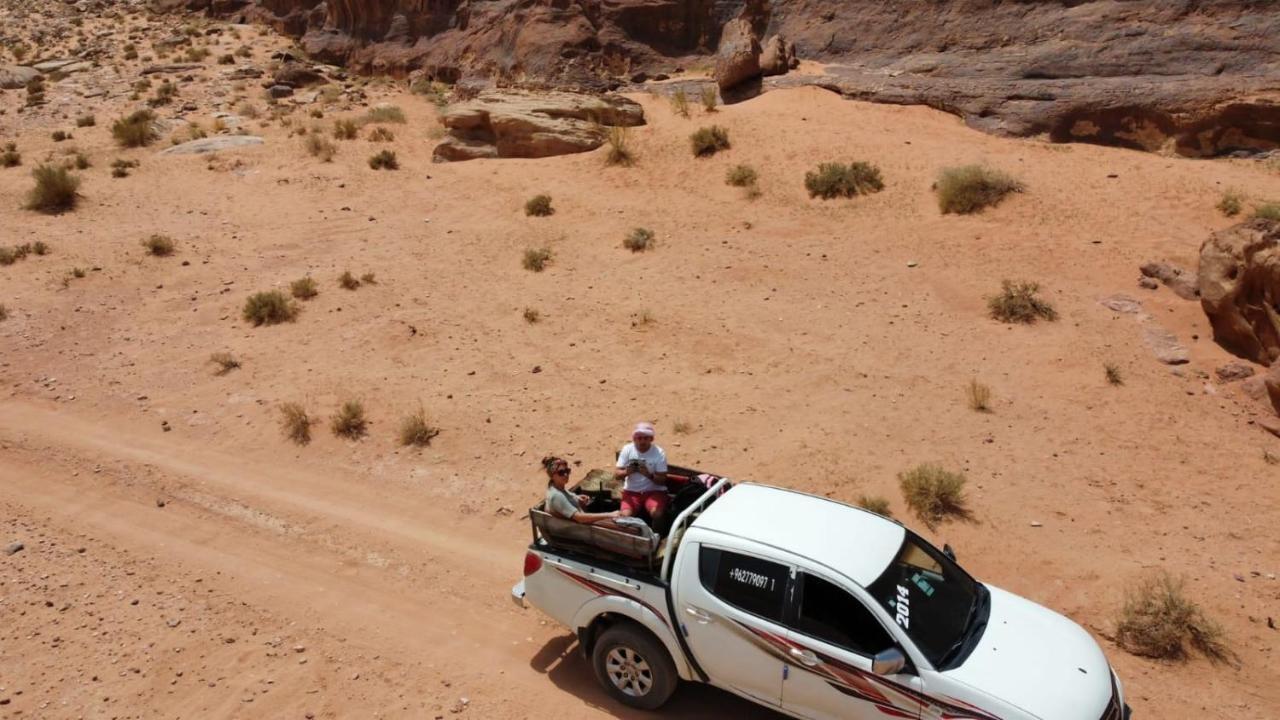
pixel 347 281
pixel 1267 211
pixel 638 240
pixel 81 161
pixel 381 134
pixel 227 59
pixel 933 492
pixel 120 167
pixel 55 190
pixel 134 130
pixel 78 272
pixel 384 114
pixel 86 121
pixel 295 422
pixel 368 279
pixel 249 110
pixel 620 152
pixel 970 188
pixel 1020 302
pixel 4 312
pixel 536 259
pixel 384 160
pixel 978 396
pixel 415 431
pixel 164 94
pixel 345 129
pixel 710 98
pixel 740 176
pixel 349 422
pixel 1157 620
pixel 131 54
pixel 225 361
pixel 1112 372
pixel 244 51
pixel 159 245
pixel 682 427
pixel 833 180
pixel 269 308
pixel 680 102
pixel 319 147
pixel 875 503
pixel 10 157
pixel 40 247
pixel 539 206
pixel 8 256
pixel 60 135
pixel 303 288
pixel 532 316
pixel 1231 204
pixel 197 54
pixel 708 141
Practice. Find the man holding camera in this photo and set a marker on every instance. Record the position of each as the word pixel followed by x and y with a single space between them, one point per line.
pixel 644 467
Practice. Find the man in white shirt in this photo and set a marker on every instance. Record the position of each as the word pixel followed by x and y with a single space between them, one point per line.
pixel 644 467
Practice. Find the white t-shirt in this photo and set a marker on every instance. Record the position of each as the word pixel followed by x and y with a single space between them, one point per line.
pixel 654 458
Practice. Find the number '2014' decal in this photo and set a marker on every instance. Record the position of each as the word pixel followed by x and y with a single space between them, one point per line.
pixel 903 608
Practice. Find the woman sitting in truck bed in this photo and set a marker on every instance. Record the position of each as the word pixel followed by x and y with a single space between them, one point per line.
pixel 564 504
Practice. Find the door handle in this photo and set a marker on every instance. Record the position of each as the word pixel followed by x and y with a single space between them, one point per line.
pixel 702 617
pixel 806 657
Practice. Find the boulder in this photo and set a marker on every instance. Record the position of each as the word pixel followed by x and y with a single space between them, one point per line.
pixel 527 124
pixel 280 91
pixel 297 75
pixel 16 77
pixel 1175 278
pixel 738 57
pixel 1272 383
pixel 1234 370
pixel 1239 283
pixel 212 145
pixel 1164 345
pixel 778 56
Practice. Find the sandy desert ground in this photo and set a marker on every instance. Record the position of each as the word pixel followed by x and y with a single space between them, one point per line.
pixel 183 559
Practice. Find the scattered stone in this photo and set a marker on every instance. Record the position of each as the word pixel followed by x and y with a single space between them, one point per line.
pixel 1165 345
pixel 1036 523
pixel 1122 304
pixel 280 91
pixel 13 548
pixel 1234 370
pixel 170 68
pixel 1175 278
pixel 1148 283
pixel 212 145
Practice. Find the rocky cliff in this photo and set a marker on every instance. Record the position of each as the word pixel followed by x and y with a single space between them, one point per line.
pixel 1193 76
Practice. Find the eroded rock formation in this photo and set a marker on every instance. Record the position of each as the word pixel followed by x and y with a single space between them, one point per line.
pixel 1239 282
pixel 1196 77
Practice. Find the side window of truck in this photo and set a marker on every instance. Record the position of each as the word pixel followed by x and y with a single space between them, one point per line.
pixel 828 613
pixel 747 583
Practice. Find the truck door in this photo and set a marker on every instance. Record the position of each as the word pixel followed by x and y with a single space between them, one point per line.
pixel 729 606
pixel 833 636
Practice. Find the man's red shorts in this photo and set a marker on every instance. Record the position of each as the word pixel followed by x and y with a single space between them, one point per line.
pixel 650 502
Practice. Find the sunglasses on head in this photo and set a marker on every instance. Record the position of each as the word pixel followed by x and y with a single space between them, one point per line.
pixel 562 471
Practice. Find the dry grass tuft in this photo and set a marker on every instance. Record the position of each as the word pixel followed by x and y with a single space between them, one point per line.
pixel 933 493
pixel 877 504
pixel 536 259
pixel 225 361
pixel 741 176
pixel 318 146
pixel 1158 621
pixel 345 129
pixel 159 245
pixel 1231 204
pixel 638 240
pixel 304 288
pixel 120 167
pixel 620 152
pixel 710 98
pixel 384 160
pixel 295 422
pixel 86 121
pixel 349 422
pixel 381 134
pixel 1020 302
pixel 368 279
pixel 269 308
pixel 55 190
pixel 708 141
pixel 539 206
pixel 680 102
pixel 134 130
pixel 979 396
pixel 4 312
pixel 415 431
pixel 532 316
pixel 10 157
pixel 682 427
pixel 385 114
pixel 347 281
pixel 833 180
pixel 970 188
pixel 1267 211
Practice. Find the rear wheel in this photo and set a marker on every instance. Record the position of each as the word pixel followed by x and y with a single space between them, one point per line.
pixel 634 667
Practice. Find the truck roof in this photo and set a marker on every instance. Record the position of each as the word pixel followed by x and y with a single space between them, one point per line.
pixel 856 543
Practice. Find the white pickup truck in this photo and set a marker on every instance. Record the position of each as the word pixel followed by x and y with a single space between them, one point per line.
pixel 810 607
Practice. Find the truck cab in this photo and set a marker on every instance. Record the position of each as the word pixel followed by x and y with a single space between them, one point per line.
pixel 818 610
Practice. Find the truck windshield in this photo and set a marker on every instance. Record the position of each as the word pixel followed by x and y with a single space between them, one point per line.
pixel 930 597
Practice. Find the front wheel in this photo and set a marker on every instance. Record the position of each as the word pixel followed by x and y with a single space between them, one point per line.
pixel 634 667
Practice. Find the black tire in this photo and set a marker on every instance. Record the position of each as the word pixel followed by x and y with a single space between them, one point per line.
pixel 634 667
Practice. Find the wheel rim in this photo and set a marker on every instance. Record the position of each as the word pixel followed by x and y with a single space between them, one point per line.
pixel 628 671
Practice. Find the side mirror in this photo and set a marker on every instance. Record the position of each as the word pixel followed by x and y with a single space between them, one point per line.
pixel 949 552
pixel 888 662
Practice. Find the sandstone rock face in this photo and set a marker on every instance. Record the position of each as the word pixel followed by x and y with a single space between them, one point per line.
pixel 1239 283
pixel 525 124
pixel 1196 78
pixel 14 77
pixel 738 58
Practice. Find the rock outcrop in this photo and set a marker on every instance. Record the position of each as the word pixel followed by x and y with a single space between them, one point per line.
pixel 523 124
pixel 738 58
pixel 778 56
pixel 1195 77
pixel 1239 282
pixel 14 77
